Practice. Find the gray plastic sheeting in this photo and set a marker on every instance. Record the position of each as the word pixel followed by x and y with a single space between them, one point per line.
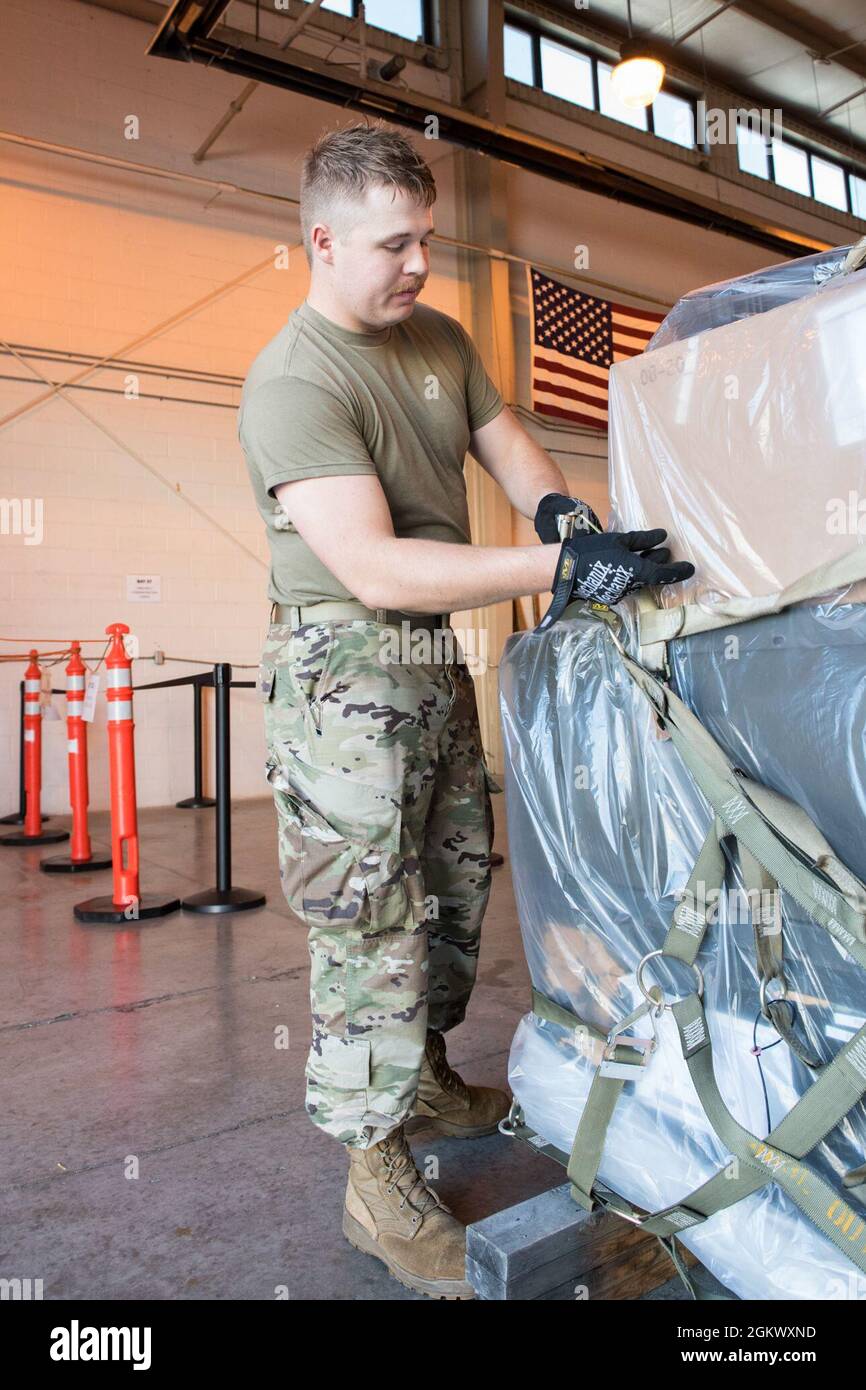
pixel 606 823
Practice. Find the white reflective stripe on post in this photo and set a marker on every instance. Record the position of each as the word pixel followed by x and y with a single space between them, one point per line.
pixel 120 709
pixel 116 678
pixel 32 684
pixel 74 704
pixel 74 683
pixel 29 735
pixel 72 745
pixel 32 708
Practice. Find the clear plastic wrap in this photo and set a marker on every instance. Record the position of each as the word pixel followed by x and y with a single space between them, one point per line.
pixel 748 444
pixel 711 306
pixel 609 823
pixel 747 441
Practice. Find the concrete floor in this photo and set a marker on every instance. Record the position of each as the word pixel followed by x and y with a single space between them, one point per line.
pixel 154 1045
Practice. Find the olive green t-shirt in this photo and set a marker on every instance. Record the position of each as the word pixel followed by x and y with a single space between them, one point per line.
pixel 401 403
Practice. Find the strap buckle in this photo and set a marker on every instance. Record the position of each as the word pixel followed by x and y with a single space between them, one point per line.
pixel 616 1205
pixel 630 1071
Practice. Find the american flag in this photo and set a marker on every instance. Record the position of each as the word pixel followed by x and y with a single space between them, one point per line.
pixel 575 341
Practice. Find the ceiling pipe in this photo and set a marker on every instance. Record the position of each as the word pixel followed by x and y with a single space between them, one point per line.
pixel 185 35
pixel 236 106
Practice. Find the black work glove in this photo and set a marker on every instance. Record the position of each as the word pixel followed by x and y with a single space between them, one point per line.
pixel 603 569
pixel 553 505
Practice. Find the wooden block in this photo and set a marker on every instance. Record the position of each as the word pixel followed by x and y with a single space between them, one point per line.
pixel 548 1246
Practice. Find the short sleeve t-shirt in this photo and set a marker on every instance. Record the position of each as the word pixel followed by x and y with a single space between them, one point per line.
pixel 321 400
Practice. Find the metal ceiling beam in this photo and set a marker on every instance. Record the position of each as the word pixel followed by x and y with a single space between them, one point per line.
pixel 817 37
pixel 186 35
pixel 700 69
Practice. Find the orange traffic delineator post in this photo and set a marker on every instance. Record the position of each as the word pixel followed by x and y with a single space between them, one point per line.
pixel 125 904
pixel 80 856
pixel 18 817
pixel 33 834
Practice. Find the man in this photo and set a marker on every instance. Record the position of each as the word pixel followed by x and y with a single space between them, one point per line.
pixel 355 421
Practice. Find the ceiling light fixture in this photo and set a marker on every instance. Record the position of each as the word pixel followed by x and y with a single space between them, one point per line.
pixel 638 76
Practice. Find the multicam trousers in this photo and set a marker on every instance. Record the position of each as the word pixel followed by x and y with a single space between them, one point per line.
pixel 384 827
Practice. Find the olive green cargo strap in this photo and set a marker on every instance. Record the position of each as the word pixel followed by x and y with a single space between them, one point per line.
pixel 617 1061
pixel 763 891
pixel 661 625
pixel 589 1040
pixel 780 836
pixel 841 1085
pixel 779 845
pixel 775 836
pixel 759 1161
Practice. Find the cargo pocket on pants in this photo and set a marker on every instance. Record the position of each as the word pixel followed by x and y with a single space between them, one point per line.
pixel 337 1075
pixel 341 1063
pixel 322 880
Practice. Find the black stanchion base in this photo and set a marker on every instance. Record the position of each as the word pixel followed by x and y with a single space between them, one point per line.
pixel 65 864
pixel 46 837
pixel 15 818
pixel 229 900
pixel 195 803
pixel 107 910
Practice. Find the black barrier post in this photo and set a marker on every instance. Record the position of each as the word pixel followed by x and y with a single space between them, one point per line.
pixel 18 817
pixel 223 898
pixel 198 798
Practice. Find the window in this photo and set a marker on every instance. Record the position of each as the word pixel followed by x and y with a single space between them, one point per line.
pixel 829 183
pixel 610 105
pixel 572 75
pixel 791 167
pixel 403 17
pixel 566 73
pixel 752 152
pixel 674 119
pixel 518 55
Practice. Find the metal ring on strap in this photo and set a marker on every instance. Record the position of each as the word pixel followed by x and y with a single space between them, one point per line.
pixel 645 992
pixel 766 981
pixel 507 1126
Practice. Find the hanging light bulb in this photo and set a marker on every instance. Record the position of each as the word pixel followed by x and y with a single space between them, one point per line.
pixel 638 76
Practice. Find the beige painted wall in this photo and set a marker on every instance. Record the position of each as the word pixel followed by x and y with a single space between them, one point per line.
pixel 92 258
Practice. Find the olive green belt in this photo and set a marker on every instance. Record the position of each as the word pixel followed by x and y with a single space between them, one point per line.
pixel 352 609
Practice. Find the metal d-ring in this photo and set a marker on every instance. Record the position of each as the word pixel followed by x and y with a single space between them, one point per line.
pixel 514 1117
pixel 765 985
pixel 645 992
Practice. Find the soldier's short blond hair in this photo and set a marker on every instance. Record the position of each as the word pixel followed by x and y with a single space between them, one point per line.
pixel 343 164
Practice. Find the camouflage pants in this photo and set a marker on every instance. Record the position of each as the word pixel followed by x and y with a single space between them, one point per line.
pixel 384 828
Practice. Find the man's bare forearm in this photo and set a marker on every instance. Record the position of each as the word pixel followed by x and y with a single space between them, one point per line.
pixel 534 475
pixel 524 470
pixel 420 576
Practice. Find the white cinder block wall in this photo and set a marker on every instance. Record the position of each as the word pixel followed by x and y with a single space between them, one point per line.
pixel 93 258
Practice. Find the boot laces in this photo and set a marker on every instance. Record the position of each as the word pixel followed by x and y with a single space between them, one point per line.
pixel 404 1176
pixel 444 1073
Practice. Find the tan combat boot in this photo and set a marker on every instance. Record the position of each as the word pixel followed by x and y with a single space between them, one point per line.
pixel 390 1212
pixel 446 1104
